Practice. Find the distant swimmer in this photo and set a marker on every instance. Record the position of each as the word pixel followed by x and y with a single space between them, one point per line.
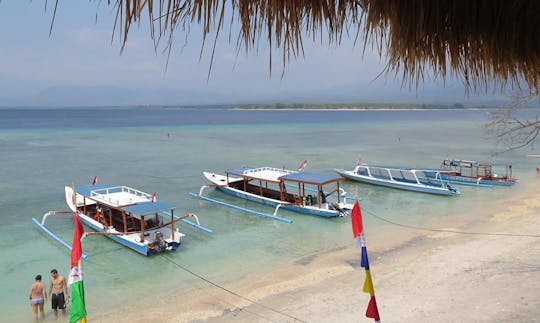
pixel 38 296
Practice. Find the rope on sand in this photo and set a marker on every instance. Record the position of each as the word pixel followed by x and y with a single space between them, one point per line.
pixel 234 293
pixel 453 231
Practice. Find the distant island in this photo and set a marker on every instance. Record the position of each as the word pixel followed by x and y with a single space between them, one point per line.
pixel 349 106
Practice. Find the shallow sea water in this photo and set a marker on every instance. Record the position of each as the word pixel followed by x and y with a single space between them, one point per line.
pixel 166 151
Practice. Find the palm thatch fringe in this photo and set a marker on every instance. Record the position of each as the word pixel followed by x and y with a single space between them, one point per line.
pixel 483 41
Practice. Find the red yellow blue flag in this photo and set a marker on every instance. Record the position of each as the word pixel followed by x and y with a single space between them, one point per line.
pixel 358 233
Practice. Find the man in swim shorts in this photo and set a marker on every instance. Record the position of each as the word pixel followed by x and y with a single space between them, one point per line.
pixel 58 292
pixel 38 295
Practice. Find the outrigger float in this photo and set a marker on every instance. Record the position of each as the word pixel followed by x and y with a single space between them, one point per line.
pixel 126 215
pixel 269 186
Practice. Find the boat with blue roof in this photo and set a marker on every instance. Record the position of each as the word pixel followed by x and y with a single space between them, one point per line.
pixel 298 191
pixel 128 216
pixel 410 179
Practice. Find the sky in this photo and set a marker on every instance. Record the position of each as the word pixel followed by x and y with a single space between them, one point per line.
pixel 81 64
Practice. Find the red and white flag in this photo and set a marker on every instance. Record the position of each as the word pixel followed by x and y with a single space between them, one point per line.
pixel 94 181
pixel 75 280
pixel 153 197
pixel 359 160
pixel 302 165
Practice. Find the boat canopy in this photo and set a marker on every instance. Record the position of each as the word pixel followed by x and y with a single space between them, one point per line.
pixel 311 178
pixel 279 174
pixel 125 198
pixel 472 163
pixel 86 190
pixel 240 171
pixel 399 168
pixel 115 196
pixel 144 208
pixel 500 164
pixel 264 173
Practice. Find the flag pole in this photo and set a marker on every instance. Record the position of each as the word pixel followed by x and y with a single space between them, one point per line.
pixel 75 280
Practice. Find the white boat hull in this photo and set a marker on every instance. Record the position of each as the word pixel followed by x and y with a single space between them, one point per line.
pixel 438 190
pixel 130 240
pixel 220 182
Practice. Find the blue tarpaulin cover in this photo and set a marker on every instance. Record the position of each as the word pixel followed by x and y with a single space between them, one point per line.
pixel 84 190
pixel 145 208
pixel 239 171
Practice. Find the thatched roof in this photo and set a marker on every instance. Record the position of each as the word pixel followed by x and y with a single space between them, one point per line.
pixel 494 42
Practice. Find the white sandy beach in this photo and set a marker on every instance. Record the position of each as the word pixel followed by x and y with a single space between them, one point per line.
pixel 433 277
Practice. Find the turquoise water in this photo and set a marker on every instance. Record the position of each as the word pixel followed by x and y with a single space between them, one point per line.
pixel 165 151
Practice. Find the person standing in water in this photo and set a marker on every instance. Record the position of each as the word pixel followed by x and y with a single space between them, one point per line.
pixel 38 296
pixel 58 292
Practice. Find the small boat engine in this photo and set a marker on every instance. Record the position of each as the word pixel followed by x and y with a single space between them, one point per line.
pixel 335 206
pixel 159 241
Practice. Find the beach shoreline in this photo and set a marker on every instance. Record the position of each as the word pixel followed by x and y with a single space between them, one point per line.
pixel 434 276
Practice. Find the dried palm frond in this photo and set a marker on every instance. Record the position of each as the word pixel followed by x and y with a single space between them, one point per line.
pixel 483 41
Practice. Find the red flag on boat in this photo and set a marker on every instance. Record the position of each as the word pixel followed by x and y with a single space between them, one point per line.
pixel 94 181
pixel 359 160
pixel 356 219
pixel 153 197
pixel 302 165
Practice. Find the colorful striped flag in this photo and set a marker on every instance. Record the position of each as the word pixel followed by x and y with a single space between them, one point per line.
pixel 358 233
pixel 75 280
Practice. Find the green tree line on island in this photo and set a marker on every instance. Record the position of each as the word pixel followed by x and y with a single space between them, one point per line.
pixel 350 106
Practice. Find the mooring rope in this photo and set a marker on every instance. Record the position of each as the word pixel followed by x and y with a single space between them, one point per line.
pixel 374 215
pixel 452 231
pixel 234 293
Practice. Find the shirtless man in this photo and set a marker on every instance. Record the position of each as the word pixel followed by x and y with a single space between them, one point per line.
pixel 38 295
pixel 58 297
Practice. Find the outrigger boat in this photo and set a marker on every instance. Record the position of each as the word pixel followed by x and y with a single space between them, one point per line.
pixel 416 180
pixel 468 172
pixel 297 191
pixel 128 216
